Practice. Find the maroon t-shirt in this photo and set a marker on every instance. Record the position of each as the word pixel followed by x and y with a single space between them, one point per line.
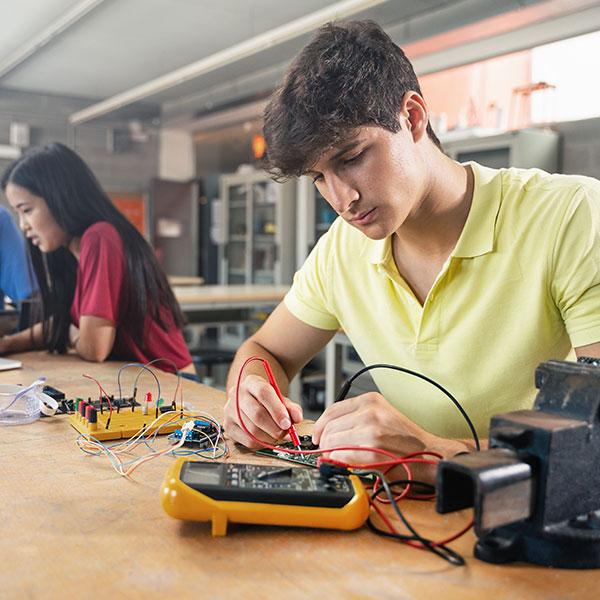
pixel 101 291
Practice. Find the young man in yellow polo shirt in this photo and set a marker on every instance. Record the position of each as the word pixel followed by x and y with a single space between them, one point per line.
pixel 469 275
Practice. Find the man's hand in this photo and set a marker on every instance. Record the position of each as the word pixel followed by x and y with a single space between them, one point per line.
pixel 369 420
pixel 262 412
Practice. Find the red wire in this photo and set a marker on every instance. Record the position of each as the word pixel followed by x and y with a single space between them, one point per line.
pixel 415 543
pixel 405 492
pixel 290 450
pixel 101 391
pixel 180 396
pixel 404 461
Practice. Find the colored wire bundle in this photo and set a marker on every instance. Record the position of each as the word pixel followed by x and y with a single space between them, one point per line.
pixel 215 446
pixel 114 453
pixel 142 368
pixel 177 388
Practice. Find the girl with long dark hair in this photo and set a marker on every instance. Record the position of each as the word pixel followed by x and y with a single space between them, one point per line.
pixel 103 290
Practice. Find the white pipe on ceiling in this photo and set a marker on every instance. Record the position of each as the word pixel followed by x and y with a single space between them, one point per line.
pixel 39 40
pixel 224 57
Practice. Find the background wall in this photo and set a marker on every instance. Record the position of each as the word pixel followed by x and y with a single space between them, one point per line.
pixel 131 164
pixel 580 147
pixel 119 161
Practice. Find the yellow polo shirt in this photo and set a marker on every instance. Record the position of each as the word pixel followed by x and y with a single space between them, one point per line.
pixel 522 286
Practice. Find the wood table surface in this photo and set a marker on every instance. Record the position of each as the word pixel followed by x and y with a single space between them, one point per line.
pixel 185 280
pixel 207 296
pixel 71 527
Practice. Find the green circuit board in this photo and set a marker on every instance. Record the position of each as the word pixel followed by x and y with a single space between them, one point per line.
pixel 309 460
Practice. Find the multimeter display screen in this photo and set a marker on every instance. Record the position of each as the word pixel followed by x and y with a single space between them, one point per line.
pixel 266 484
pixel 205 474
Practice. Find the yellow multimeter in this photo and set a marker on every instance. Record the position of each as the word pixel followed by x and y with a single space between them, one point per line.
pixel 268 495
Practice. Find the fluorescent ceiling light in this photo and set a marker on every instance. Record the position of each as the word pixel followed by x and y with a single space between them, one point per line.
pixel 227 56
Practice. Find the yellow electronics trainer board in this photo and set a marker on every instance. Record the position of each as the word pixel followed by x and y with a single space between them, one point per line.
pixel 123 424
pixel 268 495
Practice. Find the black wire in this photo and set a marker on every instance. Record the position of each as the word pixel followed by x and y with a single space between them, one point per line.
pixel 430 488
pixel 346 388
pixel 441 550
pixel 449 555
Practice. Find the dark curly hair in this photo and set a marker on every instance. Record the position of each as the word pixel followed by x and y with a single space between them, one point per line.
pixel 350 74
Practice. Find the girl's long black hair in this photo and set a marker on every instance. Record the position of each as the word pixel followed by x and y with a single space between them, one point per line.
pixel 77 201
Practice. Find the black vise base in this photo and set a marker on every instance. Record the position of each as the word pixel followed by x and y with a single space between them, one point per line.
pixel 567 546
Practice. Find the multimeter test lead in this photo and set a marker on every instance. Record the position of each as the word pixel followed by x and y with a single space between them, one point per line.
pixel 292 431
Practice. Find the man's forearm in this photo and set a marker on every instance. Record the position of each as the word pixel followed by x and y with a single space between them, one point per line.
pixel 251 348
pixel 449 447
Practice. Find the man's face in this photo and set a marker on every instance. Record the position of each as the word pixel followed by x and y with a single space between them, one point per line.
pixel 374 180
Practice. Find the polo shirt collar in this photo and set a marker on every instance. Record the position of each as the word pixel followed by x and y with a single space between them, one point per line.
pixel 478 234
pixel 376 251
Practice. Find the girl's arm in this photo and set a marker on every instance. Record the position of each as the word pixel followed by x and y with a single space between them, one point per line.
pixel 28 339
pixel 94 339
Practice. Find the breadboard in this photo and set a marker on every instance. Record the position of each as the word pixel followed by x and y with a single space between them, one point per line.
pixel 124 424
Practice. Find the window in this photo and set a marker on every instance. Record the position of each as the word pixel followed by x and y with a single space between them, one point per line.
pixel 549 83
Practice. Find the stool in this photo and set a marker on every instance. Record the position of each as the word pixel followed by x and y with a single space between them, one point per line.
pixel 208 357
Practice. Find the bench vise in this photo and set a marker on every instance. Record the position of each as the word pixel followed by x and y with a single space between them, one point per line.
pixel 536 490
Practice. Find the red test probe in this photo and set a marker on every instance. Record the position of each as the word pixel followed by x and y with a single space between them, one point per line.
pixel 293 433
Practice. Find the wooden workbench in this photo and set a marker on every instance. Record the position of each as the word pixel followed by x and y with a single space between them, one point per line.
pixel 214 304
pixel 185 280
pixel 72 528
pixel 225 297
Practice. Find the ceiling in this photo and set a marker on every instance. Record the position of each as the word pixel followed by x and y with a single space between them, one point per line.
pixel 133 53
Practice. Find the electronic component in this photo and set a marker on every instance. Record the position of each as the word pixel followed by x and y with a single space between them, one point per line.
pixel 268 495
pixel 309 460
pixel 53 393
pixel 69 406
pixel 203 435
pixel 117 425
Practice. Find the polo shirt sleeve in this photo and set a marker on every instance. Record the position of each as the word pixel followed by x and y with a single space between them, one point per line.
pixel 308 297
pixel 575 272
pixel 101 268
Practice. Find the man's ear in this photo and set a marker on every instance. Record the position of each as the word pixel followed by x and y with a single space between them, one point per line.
pixel 415 116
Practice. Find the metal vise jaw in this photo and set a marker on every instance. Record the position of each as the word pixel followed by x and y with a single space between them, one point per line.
pixel 536 491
